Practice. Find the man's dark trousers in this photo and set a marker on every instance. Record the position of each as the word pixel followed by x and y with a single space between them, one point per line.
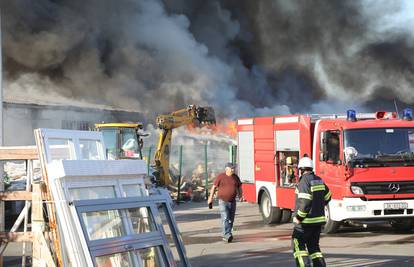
pixel 305 243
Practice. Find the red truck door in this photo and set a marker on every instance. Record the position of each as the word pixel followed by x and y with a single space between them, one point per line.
pixel 264 150
pixel 331 168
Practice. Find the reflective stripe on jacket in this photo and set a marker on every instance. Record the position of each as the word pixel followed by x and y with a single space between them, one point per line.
pixel 311 197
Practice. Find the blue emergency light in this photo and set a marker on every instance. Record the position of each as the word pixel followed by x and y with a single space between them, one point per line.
pixel 408 114
pixel 351 115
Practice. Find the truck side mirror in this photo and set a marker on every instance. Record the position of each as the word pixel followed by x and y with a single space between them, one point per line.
pixel 323 150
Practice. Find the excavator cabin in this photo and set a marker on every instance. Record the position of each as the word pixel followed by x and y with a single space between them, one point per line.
pixel 122 140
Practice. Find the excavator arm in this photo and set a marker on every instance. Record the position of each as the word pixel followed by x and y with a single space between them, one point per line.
pixel 192 115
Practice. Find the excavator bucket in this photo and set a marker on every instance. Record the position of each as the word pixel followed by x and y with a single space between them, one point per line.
pixel 205 115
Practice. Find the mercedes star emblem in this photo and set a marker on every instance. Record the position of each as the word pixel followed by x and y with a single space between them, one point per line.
pixel 394 188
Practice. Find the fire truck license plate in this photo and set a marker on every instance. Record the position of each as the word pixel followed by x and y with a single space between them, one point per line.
pixel 396 206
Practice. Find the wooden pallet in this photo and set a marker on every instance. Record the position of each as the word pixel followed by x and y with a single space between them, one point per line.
pixel 35 195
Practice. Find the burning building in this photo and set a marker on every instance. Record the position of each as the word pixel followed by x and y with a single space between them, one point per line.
pixel 20 119
pixel 244 58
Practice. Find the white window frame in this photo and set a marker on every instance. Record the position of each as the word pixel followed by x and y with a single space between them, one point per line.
pixel 131 241
pixel 73 137
pixel 74 173
pixel 67 174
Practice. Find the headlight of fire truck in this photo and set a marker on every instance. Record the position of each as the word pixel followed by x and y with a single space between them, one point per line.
pixel 357 190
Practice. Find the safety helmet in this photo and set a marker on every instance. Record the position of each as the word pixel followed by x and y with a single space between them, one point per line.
pixel 289 160
pixel 305 162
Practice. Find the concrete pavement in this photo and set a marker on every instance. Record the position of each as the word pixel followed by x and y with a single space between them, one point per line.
pixel 257 244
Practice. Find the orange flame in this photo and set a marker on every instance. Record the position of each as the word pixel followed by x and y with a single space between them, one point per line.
pixel 225 127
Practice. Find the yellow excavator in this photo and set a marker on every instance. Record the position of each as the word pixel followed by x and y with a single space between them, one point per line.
pixel 192 115
pixel 122 140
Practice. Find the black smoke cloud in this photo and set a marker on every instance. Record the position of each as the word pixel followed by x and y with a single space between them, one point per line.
pixel 315 56
pixel 244 58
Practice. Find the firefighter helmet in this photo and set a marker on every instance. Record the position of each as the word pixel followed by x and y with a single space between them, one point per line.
pixel 305 162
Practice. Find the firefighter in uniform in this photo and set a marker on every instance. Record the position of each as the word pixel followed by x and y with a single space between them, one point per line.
pixel 311 197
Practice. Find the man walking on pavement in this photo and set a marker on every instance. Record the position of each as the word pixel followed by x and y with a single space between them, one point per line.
pixel 229 186
pixel 311 197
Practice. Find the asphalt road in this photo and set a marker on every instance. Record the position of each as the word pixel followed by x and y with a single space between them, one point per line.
pixel 256 244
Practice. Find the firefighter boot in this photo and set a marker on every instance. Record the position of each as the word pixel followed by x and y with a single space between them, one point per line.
pixel 301 255
pixel 319 262
pixel 303 261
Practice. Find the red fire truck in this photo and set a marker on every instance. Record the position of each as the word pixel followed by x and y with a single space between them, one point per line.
pixel 367 161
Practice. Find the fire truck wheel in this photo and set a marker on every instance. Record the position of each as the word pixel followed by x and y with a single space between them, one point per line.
pixel 403 226
pixel 286 216
pixel 331 226
pixel 270 214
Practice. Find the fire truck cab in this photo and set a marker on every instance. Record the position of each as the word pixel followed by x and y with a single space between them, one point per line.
pixel 367 161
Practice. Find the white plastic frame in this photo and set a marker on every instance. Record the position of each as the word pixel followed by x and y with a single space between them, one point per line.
pixel 67 174
pixel 74 137
pixel 132 241
pixel 74 173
